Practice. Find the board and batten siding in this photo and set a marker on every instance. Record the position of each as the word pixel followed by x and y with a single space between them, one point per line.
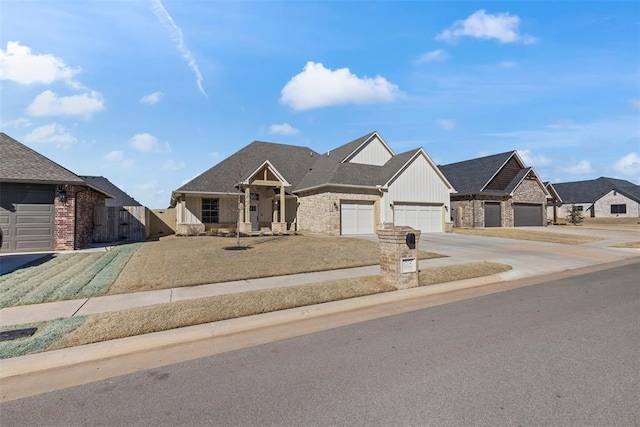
pixel 374 153
pixel 418 183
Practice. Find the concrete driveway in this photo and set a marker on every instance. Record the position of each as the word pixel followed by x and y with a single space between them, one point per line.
pixel 528 258
pixel 10 262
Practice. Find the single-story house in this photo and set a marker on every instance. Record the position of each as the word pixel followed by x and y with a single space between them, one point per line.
pixel 123 218
pixel 353 189
pixel 599 198
pixel 496 191
pixel 553 203
pixel 43 206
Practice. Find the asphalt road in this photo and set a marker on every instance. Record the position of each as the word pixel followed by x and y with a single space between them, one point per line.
pixel 561 353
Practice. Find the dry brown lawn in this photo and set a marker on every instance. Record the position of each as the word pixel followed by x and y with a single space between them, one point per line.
pixel 521 234
pixel 632 245
pixel 186 261
pixel 161 317
pixel 614 224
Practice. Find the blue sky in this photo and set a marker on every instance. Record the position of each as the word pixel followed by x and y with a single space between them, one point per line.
pixel 150 94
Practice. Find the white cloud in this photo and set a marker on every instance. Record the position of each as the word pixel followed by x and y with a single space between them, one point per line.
pixel 629 165
pixel 17 123
pixel 150 187
pixel 446 124
pixel 19 65
pixel 53 133
pixel 317 86
pixel 176 34
pixel 146 143
pixel 508 64
pixel 434 55
pixel 152 98
pixel 531 159
pixel 481 25
pixel 283 129
pixel 635 103
pixel 115 156
pixel 48 104
pixel 583 167
pixel 562 124
pixel 173 165
pixel 215 155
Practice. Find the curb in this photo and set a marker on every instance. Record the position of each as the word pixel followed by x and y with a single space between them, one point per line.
pixel 56 359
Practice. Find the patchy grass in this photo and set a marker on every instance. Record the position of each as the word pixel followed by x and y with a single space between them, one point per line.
pixel 522 234
pixel 613 224
pixel 64 276
pixel 451 273
pixel 632 245
pixel 64 333
pixel 186 261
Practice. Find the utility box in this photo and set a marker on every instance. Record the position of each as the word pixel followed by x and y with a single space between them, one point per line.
pixel 399 256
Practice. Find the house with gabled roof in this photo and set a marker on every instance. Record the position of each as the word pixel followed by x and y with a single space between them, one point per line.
pixel 600 198
pixel 43 206
pixel 496 191
pixel 353 189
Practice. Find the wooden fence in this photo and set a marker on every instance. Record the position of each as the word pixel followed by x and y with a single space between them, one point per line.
pixel 115 223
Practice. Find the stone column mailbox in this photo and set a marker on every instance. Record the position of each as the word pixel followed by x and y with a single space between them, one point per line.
pixel 399 256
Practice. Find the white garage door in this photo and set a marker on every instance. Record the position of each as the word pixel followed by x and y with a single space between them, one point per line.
pixel 427 219
pixel 356 218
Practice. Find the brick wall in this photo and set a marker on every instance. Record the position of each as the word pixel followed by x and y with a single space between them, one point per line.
pixel 603 206
pixel 319 212
pixel 529 191
pixel 74 217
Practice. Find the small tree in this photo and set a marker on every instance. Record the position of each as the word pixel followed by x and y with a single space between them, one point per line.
pixel 575 215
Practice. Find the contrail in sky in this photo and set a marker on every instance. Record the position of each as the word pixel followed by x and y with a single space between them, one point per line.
pixel 176 34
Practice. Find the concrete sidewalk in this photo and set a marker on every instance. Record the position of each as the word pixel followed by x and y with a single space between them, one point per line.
pixel 527 259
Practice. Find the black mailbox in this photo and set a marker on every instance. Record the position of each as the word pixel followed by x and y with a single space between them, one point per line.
pixel 411 240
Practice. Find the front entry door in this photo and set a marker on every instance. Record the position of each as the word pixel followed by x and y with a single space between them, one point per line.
pixel 255 222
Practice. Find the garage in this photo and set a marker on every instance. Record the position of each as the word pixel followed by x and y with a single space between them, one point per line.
pixel 492 217
pixel 426 218
pixel 527 215
pixel 356 218
pixel 26 218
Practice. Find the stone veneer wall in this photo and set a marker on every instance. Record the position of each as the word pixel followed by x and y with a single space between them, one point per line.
pixel 603 206
pixel 475 209
pixel 529 191
pixel 319 211
pixel 74 218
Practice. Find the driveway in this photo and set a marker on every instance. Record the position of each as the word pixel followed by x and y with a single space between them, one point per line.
pixel 528 258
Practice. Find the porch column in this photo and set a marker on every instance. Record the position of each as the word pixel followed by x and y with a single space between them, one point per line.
pixel 247 204
pixel 283 217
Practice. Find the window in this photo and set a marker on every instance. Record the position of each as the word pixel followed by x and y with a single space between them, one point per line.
pixel 619 209
pixel 579 208
pixel 210 209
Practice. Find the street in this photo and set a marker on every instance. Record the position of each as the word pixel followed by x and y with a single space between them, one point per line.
pixel 565 352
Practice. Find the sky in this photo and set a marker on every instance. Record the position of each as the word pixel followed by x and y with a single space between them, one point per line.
pixel 150 94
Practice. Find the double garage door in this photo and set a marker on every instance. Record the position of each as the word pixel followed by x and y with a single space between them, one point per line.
pixel 26 218
pixel 427 219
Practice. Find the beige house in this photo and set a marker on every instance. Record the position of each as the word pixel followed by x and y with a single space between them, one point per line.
pixel 353 189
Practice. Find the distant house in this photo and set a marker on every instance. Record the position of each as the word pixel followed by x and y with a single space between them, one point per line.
pixel 43 206
pixel 122 218
pixel 353 189
pixel 496 191
pixel 599 198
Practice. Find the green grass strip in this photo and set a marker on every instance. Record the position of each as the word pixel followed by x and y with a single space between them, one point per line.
pixel 47 334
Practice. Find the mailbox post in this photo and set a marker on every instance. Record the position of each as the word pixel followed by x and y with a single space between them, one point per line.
pixel 399 256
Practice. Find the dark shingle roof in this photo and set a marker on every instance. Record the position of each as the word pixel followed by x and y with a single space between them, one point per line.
pixel 518 178
pixel 291 161
pixel 22 164
pixel 120 198
pixel 470 176
pixel 591 190
pixel 329 169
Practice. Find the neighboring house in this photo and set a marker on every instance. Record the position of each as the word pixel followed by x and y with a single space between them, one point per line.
pixel 122 218
pixel 353 189
pixel 496 191
pixel 600 198
pixel 43 206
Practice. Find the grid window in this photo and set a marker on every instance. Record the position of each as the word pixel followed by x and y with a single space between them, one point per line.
pixel 210 209
pixel 619 209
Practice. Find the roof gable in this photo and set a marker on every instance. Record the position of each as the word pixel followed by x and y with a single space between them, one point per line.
pixel 22 164
pixel 393 169
pixel 472 176
pixel 372 151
